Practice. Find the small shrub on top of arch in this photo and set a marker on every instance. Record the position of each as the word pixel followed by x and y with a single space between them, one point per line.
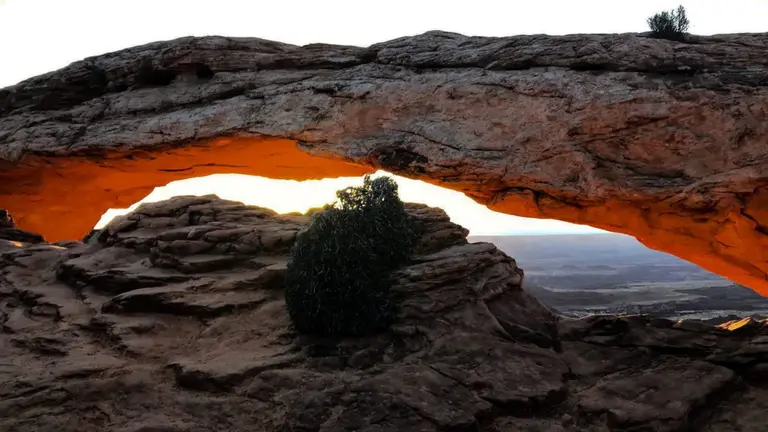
pixel 671 25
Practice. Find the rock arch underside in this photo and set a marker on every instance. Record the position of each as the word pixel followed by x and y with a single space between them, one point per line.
pixel 662 140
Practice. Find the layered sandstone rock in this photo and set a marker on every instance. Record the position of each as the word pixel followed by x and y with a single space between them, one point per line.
pixel 174 321
pixel 658 139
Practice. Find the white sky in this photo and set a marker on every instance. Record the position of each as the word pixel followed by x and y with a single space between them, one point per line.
pixel 314 193
pixel 37 36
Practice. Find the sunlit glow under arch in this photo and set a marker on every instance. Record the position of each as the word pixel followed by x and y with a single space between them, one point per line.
pixel 286 196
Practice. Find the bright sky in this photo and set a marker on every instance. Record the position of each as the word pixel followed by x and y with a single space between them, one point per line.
pixel 37 36
pixel 304 195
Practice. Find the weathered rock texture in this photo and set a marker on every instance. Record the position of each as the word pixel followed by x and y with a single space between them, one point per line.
pixel 662 140
pixel 174 321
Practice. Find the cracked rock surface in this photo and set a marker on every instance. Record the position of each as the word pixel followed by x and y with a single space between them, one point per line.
pixel 662 140
pixel 174 320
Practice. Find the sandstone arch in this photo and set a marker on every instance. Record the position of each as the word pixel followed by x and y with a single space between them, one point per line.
pixel 662 140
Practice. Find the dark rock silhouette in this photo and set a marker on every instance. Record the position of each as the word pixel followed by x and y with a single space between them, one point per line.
pixel 10 233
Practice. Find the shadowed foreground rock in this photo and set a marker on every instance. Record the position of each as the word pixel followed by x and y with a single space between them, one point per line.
pixel 174 321
pixel 658 139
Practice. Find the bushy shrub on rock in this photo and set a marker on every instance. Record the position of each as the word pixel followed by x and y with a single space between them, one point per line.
pixel 670 25
pixel 338 275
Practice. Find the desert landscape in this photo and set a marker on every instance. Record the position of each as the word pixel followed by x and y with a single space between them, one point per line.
pixel 585 274
pixel 204 314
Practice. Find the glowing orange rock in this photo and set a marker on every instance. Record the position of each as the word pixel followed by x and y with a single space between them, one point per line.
pixel 661 140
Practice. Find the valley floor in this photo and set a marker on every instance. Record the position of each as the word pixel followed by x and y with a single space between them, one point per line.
pixel 586 274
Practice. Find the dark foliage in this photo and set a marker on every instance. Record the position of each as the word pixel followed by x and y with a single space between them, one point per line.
pixel 671 25
pixel 338 276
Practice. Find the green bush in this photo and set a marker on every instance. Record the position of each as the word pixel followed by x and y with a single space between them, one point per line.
pixel 338 275
pixel 670 25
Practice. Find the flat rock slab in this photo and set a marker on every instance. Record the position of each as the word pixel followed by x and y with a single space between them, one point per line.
pixel 655 399
pixel 747 411
pixel 515 376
